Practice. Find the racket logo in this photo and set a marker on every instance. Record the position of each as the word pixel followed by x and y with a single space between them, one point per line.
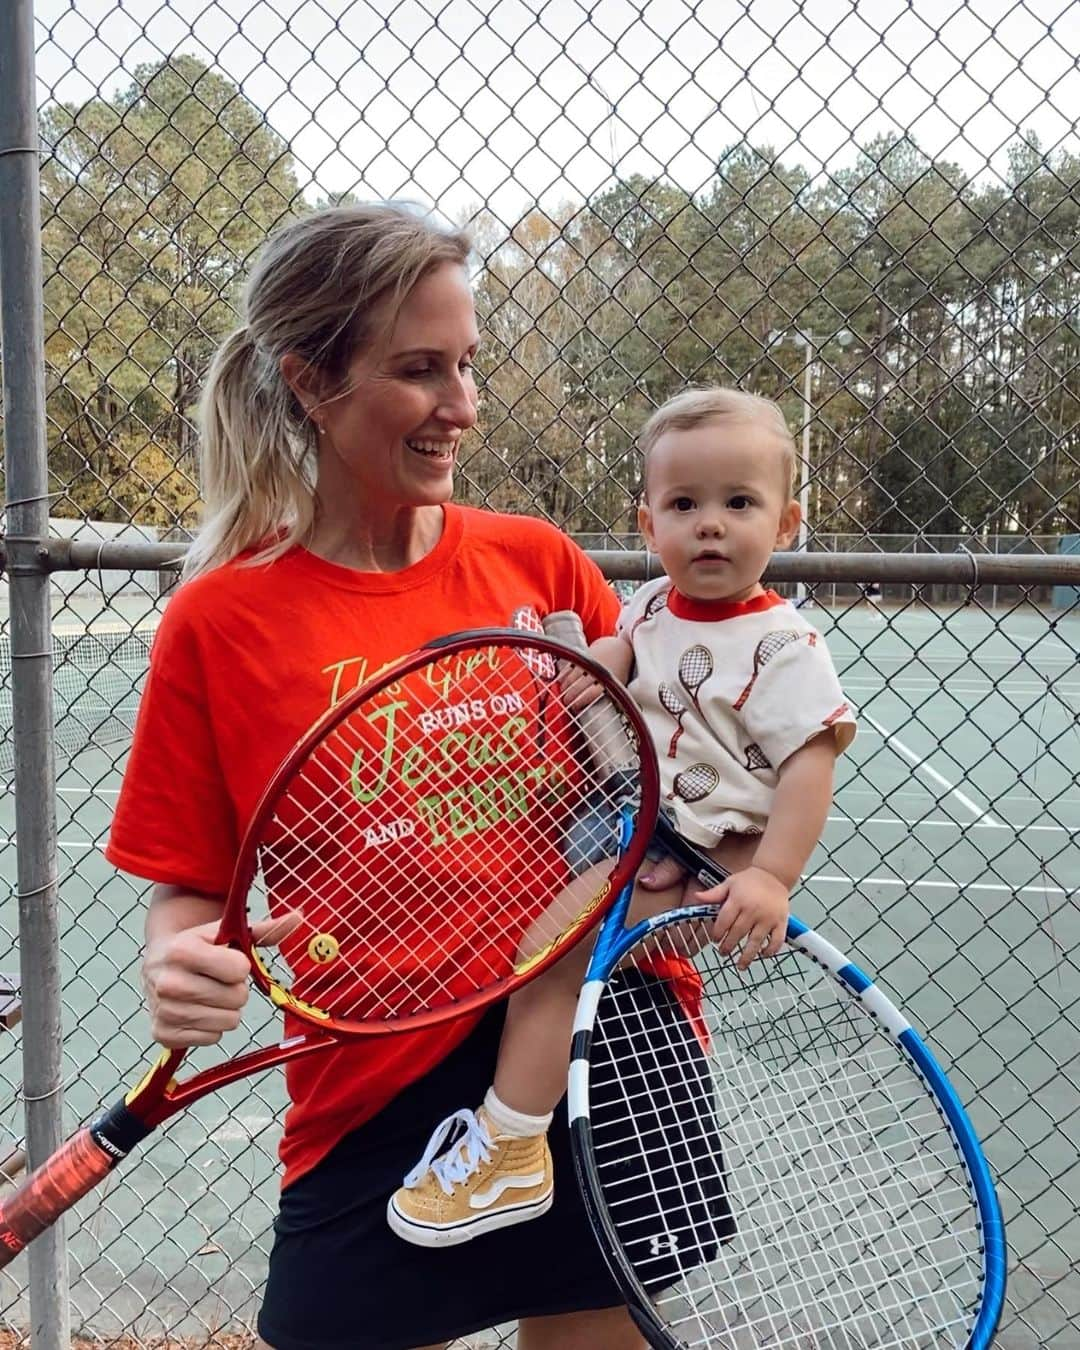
pixel 389 832
pixel 663 1244
pixel 108 1145
pixel 542 664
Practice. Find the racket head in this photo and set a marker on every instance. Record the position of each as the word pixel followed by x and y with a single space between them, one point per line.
pixel 695 667
pixel 695 782
pixel 426 829
pixel 773 1157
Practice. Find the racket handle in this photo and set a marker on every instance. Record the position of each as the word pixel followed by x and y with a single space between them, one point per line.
pixel 565 626
pixel 65 1177
pixel 611 749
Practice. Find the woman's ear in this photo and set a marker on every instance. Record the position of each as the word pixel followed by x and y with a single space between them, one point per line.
pixel 790 519
pixel 304 379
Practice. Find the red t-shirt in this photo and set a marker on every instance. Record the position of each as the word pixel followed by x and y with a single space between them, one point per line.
pixel 245 659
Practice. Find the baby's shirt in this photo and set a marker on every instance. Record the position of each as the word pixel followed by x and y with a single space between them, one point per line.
pixel 729 689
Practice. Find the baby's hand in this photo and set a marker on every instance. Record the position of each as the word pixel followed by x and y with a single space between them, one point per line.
pixel 755 909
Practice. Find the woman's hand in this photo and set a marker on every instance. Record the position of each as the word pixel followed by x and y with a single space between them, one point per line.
pixel 195 990
pixel 578 687
pixel 754 912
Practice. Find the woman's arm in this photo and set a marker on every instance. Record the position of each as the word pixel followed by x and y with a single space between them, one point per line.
pixel 195 989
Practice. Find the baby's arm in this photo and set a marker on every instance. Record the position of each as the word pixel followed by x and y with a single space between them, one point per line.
pixel 616 656
pixel 755 901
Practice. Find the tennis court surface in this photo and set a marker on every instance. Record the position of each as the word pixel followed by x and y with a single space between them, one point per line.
pixel 949 866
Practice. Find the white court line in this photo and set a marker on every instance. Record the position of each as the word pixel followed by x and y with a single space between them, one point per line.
pixel 1066 661
pixel 923 766
pixel 898 686
pixel 854 787
pixel 89 845
pixel 897 882
pixel 915 825
pixel 907 689
pixel 241 1129
pixel 64 845
pixel 828 879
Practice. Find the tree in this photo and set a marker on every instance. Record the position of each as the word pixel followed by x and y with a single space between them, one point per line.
pixel 153 202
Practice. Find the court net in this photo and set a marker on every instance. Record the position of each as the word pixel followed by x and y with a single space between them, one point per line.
pixel 98 676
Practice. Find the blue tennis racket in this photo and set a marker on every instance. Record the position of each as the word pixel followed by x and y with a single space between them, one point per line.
pixel 770 1157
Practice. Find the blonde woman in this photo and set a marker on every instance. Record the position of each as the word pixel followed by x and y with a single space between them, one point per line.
pixel 332 421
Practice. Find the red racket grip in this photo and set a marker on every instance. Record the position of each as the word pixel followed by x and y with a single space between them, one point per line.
pixel 64 1178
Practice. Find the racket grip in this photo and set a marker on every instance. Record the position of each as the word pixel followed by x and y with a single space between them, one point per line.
pixel 611 749
pixel 565 626
pixel 65 1177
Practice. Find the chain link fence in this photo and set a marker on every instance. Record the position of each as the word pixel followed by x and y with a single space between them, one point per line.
pixel 867 211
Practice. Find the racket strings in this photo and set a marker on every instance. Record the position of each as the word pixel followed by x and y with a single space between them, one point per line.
pixel 400 909
pixel 339 894
pixel 853 1216
pixel 431 838
pixel 840 1174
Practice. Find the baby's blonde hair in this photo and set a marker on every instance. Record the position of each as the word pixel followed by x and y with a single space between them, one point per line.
pixel 324 288
pixel 693 407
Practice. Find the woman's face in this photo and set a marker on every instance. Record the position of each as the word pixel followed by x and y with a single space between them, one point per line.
pixel 392 438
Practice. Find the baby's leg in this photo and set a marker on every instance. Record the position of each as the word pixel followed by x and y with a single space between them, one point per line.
pixel 530 1074
pixel 499 1172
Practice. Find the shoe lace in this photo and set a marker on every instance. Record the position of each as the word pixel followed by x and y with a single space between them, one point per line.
pixel 460 1161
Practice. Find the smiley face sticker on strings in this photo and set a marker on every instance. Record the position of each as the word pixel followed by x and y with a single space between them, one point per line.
pixel 323 948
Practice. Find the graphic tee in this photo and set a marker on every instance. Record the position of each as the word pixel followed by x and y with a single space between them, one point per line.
pixel 246 658
pixel 729 689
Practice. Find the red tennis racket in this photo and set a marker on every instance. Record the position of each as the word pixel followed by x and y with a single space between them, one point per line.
pixel 419 828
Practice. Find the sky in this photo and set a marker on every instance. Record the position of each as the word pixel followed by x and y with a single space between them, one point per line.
pixel 508 102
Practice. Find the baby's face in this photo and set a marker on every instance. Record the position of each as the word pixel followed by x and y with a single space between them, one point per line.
pixel 717 504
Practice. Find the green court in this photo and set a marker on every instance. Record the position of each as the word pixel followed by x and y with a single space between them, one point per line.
pixel 949 867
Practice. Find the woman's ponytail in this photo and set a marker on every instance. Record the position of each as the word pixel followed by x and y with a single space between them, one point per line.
pixel 257 458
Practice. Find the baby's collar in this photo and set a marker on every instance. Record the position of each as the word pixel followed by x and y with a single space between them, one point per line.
pixel 708 611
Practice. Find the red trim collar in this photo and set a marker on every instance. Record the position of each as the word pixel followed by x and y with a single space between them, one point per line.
pixel 706 611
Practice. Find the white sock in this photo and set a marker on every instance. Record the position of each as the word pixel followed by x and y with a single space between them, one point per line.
pixel 514 1124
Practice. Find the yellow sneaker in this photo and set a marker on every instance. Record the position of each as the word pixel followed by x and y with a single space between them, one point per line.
pixel 481 1182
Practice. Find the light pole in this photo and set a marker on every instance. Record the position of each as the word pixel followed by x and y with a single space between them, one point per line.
pixel 803 337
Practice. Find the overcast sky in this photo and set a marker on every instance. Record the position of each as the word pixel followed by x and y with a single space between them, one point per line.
pixel 517 100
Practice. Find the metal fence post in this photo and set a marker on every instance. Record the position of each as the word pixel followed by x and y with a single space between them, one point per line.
pixel 22 339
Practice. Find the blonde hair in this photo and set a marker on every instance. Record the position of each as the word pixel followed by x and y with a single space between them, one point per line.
pixel 694 407
pixel 323 288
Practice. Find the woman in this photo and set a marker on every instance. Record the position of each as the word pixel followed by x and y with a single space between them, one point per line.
pixel 331 423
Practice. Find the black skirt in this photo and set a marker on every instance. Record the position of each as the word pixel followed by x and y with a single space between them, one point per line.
pixel 339 1278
